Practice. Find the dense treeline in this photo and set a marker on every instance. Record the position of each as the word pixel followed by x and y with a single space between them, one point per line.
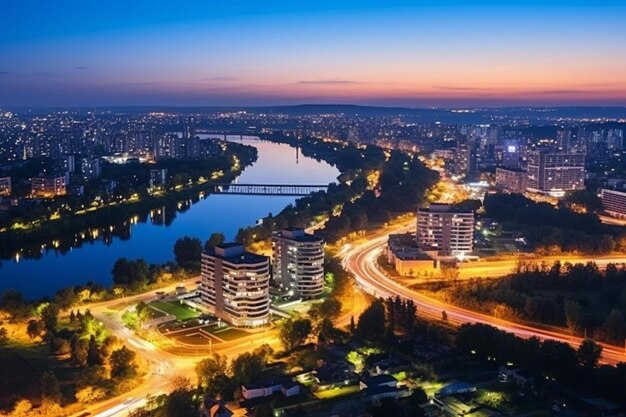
pixel 581 297
pixel 574 368
pixel 373 187
pixel 552 230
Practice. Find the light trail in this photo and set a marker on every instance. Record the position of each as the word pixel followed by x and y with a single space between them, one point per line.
pixel 361 260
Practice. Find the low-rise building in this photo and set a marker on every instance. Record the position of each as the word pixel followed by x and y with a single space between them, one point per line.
pixel 266 388
pixel 405 255
pixel 5 186
pixel 48 186
pixel 614 203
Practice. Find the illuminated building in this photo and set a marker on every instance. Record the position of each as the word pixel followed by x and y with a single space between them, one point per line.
pixel 298 262
pixel 614 203
pixel 443 231
pixel 235 285
pixel 511 180
pixel 555 173
pixel 5 186
pixel 48 186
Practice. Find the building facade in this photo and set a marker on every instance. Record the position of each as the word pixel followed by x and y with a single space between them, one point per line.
pixel 614 203
pixel 445 232
pixel 5 186
pixel 235 285
pixel 298 262
pixel 90 168
pixel 48 186
pixel 511 180
pixel 555 173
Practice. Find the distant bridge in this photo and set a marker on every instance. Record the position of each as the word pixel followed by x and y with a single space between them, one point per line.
pixel 296 190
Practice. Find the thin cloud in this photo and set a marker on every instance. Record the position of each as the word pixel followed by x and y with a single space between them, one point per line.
pixel 567 92
pixel 4 73
pixel 80 68
pixel 461 88
pixel 328 82
pixel 221 79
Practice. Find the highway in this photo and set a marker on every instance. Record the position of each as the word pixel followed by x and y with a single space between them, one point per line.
pixel 361 260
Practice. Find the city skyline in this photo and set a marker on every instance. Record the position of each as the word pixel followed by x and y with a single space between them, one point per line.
pixel 245 54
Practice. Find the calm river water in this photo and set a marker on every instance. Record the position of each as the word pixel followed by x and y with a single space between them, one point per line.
pixel 152 241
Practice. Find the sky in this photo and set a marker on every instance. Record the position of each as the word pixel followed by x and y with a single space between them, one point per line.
pixel 418 53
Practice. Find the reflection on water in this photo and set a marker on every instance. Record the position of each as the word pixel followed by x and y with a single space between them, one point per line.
pixel 90 254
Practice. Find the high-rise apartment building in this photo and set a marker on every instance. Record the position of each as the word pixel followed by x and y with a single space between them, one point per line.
pixel 444 231
pixel 511 180
pixel 235 285
pixel 298 262
pixel 90 168
pixel 555 173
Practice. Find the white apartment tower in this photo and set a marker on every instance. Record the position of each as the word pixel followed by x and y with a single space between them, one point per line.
pixel 444 231
pixel 235 285
pixel 298 262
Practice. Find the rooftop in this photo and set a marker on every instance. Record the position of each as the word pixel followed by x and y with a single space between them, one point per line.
pixel 235 253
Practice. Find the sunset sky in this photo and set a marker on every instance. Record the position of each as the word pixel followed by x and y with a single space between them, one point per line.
pixel 408 53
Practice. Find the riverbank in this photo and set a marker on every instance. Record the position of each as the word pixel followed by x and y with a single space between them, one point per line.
pixel 65 232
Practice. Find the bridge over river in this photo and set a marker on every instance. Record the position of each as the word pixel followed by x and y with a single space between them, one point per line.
pixel 296 190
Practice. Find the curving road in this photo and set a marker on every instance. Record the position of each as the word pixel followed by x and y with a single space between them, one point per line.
pixel 162 365
pixel 361 261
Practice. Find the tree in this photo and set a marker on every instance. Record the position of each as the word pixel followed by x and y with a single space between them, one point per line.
pixel 66 298
pixel 294 333
pixel 246 367
pixel 207 370
pixel 94 356
pixel 329 308
pixel 264 410
pixel 4 336
pixel 180 403
pixel 50 318
pixel 614 327
pixel 121 272
pixel 78 351
pixel 14 304
pixel 573 315
pixel 128 273
pixel 35 328
pixel 187 251
pixel 588 354
pixel 90 394
pixel 22 408
pixel 214 240
pixel 222 386
pixel 123 363
pixel 50 388
pixel 264 351
pixel 371 324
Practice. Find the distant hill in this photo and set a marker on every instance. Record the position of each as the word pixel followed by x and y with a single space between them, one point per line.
pixel 535 115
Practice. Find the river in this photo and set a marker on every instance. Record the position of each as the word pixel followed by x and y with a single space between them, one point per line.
pixel 153 240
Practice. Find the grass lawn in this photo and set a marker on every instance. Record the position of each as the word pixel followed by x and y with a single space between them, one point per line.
pixel 337 392
pixel 181 311
pixel 193 339
pixel 229 334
